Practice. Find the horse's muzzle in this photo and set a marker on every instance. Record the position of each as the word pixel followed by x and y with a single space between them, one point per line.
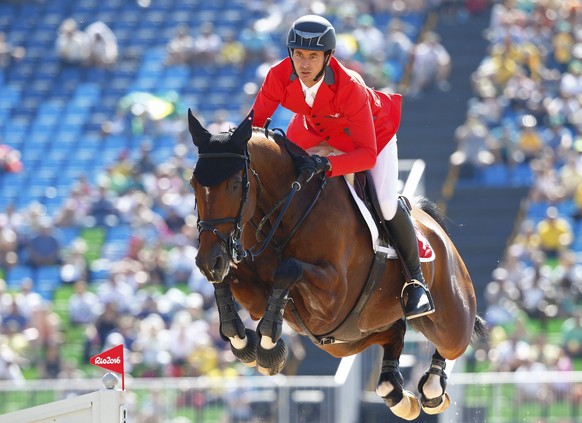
pixel 215 264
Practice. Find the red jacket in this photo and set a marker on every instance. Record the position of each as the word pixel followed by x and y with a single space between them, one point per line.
pixel 346 114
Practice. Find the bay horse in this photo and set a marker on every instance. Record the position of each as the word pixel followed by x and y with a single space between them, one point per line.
pixel 286 248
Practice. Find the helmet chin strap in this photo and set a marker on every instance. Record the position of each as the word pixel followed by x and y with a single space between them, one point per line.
pixel 325 63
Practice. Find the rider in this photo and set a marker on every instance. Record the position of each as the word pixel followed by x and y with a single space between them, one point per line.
pixel 335 111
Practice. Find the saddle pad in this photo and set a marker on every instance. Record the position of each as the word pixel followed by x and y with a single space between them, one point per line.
pixel 425 250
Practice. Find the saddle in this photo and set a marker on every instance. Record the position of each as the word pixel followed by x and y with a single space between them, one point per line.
pixel 364 187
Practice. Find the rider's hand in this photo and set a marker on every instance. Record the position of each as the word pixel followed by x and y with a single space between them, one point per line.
pixel 311 165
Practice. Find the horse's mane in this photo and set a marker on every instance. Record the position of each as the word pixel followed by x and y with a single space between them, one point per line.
pixel 278 135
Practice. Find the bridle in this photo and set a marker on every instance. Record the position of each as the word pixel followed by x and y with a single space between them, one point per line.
pixel 232 241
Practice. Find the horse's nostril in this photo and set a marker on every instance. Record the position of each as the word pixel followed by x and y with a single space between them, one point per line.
pixel 218 265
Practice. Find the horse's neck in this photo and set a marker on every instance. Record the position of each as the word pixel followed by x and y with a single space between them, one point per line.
pixel 273 165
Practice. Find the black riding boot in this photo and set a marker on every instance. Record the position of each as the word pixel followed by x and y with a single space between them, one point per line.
pixel 415 297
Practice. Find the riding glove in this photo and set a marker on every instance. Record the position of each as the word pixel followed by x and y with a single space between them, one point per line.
pixel 311 165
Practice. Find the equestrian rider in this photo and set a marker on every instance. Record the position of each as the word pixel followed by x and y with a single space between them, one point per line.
pixel 352 124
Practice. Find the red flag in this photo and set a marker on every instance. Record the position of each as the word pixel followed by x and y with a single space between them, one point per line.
pixel 111 359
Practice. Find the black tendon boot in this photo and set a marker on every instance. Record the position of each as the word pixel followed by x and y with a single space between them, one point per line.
pixel 415 297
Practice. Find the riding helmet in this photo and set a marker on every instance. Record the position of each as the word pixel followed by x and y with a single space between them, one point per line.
pixel 311 32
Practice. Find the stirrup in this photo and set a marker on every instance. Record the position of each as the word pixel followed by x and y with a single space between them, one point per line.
pixel 417 283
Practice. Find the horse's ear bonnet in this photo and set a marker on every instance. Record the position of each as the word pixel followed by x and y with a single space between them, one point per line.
pixel 213 170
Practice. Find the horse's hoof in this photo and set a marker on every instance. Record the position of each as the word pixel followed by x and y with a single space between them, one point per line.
pixel 408 408
pixel 439 408
pixel 272 361
pixel 248 354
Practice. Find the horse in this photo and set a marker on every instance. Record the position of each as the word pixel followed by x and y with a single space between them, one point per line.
pixel 296 249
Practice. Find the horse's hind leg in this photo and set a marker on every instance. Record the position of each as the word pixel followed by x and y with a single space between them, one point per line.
pixel 243 342
pixel 401 402
pixel 432 387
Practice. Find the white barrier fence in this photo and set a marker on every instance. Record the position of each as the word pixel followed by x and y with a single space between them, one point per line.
pixel 95 407
pixel 551 397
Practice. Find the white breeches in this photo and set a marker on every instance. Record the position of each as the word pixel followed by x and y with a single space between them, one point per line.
pixel 385 177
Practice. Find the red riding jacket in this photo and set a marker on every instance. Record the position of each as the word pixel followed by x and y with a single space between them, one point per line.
pixel 346 114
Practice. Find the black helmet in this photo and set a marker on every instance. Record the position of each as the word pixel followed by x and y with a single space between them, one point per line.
pixel 311 32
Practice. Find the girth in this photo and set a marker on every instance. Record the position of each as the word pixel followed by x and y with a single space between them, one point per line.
pixel 348 330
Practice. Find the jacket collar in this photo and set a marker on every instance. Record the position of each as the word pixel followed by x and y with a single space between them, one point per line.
pixel 324 94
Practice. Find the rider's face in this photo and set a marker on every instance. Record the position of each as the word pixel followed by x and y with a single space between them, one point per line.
pixel 308 63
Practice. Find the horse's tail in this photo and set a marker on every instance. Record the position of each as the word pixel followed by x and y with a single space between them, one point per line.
pixel 432 209
pixel 479 330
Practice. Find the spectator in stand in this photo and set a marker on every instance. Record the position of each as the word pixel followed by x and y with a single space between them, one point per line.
pixel 9 245
pixel 529 140
pixel 570 174
pixel 271 58
pixel 27 299
pixel 546 184
pixel 562 45
pixel 180 48
pixel 15 319
pixel 369 38
pixel 144 164
pixel 533 390
pixel 567 277
pixel 571 331
pixel 107 322
pixel 181 262
pixel 174 221
pixel 571 80
pixel 83 306
pixel 152 343
pixel 72 44
pixel 9 53
pixel 75 266
pixel 73 210
pixel 431 65
pixel 473 140
pixel 115 290
pixel 577 214
pixel 102 208
pixel 44 248
pixel 103 46
pixel 398 45
pixel 555 234
pixel 232 52
pixel 10 159
pixel 207 45
pixel 51 364
pixel 10 365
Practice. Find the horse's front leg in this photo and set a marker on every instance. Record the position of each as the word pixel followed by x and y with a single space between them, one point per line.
pixel 272 350
pixel 318 283
pixel 243 341
pixel 390 387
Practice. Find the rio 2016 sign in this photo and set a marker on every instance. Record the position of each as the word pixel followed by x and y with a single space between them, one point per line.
pixel 112 359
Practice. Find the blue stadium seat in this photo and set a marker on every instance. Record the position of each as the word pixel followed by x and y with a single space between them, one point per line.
pixel 16 274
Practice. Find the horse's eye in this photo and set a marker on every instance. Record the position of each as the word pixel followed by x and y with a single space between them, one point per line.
pixel 236 184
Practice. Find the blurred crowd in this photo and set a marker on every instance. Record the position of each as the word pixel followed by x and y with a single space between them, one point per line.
pixel 526 116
